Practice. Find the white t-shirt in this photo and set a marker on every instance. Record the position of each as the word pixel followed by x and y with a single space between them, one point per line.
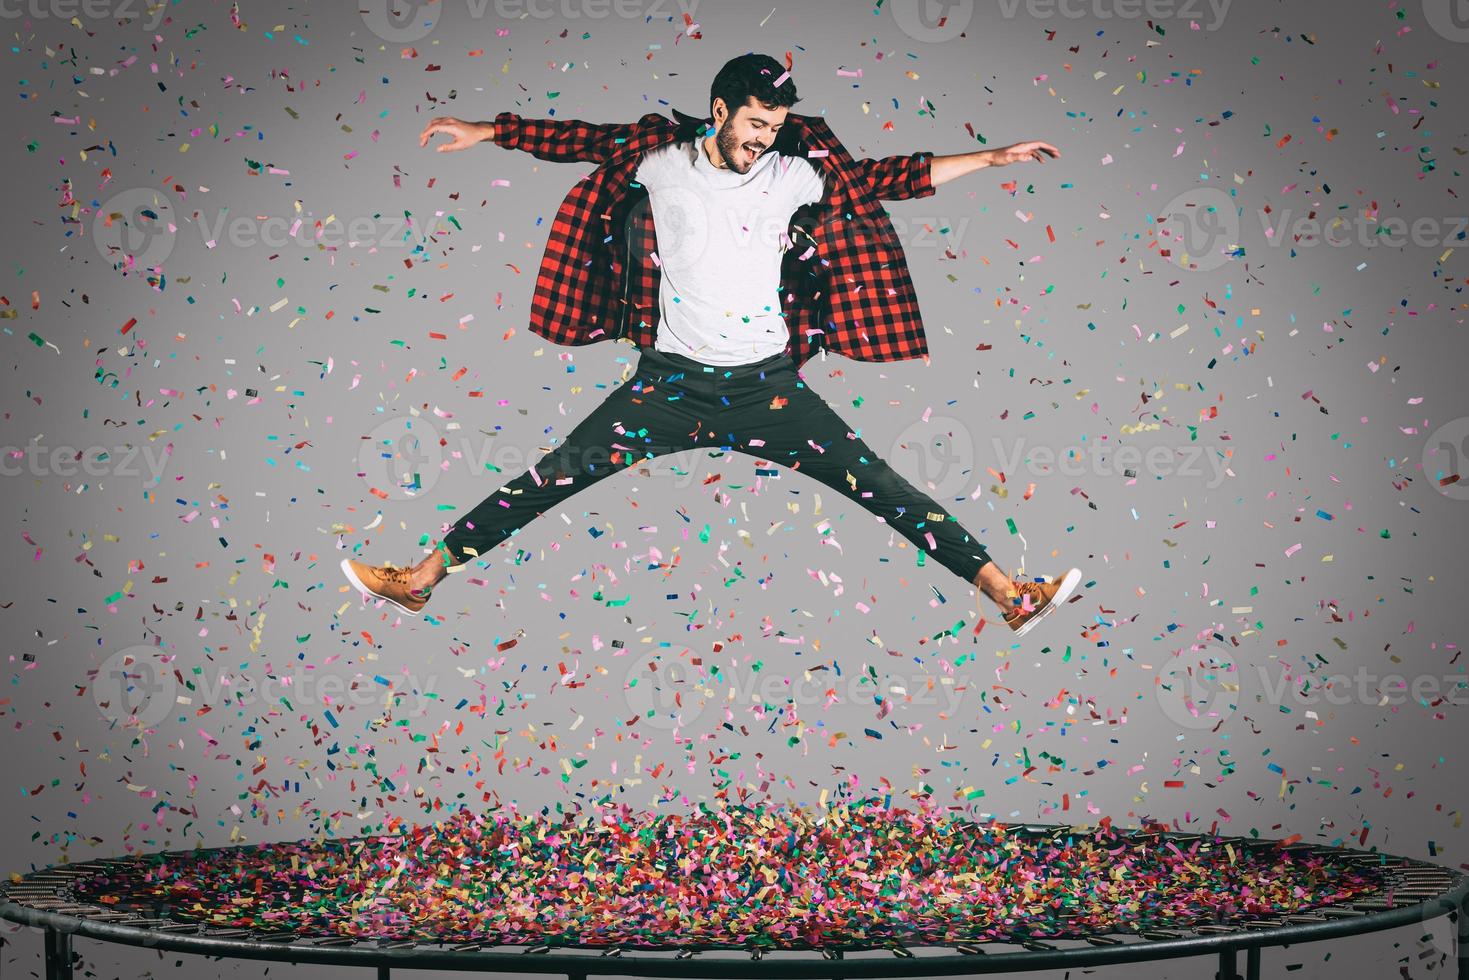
pixel 721 236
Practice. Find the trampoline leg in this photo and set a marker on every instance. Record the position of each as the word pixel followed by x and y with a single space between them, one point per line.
pixel 382 971
pixel 58 955
pixel 1463 949
pixel 1228 961
pixel 1252 963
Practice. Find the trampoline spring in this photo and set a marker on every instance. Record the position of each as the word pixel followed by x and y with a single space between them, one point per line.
pixel 335 941
pixel 398 944
pixel 969 950
pixel 612 952
pixel 902 952
pixel 469 947
pixel 1264 924
pixel 1156 934
pixel 165 926
pixel 828 953
pixel 284 935
pixel 686 954
pixel 1216 930
pixel 757 953
pixel 537 950
pixel 1036 946
pixel 1103 940
pixel 229 934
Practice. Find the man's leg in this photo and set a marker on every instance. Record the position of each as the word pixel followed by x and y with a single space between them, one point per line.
pixel 638 420
pixel 802 432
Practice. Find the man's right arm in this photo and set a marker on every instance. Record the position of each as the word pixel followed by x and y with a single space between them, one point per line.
pixel 557 140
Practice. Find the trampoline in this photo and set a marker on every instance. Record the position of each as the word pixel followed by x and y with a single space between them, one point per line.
pixel 856 891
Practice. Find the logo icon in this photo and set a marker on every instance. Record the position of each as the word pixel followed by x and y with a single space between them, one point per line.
pixel 1449 18
pixel 401 21
pixel 932 21
pixel 1199 689
pixel 132 686
pixel 133 229
pixel 1200 229
pixel 939 452
pixel 1444 457
pixel 664 694
pixel 401 457
pixel 679 236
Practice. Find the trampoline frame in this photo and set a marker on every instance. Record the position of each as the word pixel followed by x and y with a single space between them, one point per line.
pixel 1423 891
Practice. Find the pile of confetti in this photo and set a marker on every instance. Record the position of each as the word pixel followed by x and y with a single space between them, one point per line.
pixel 851 874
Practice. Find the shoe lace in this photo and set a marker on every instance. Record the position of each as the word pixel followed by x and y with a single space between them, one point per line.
pixel 1031 590
pixel 398 576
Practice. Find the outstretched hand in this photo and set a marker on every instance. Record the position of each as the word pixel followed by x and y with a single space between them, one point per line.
pixel 1019 152
pixel 464 134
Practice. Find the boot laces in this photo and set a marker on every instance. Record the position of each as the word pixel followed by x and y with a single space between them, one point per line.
pixel 398 576
pixel 1031 591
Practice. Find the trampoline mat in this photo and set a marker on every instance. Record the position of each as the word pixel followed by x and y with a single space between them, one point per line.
pixel 786 878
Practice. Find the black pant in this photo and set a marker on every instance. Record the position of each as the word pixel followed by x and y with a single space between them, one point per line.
pixel 673 403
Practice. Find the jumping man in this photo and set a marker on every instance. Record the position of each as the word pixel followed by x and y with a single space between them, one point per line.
pixel 728 251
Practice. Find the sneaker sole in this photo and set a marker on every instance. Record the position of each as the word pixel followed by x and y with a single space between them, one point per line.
pixel 357 584
pixel 1069 582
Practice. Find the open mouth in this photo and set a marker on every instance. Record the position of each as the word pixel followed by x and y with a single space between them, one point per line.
pixel 752 153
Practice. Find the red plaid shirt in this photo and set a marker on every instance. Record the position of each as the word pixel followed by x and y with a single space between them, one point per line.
pixel 844 283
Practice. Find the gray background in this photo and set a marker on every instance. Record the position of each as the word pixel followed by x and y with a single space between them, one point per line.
pixel 265 374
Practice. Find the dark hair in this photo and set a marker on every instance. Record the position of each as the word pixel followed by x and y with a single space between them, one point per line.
pixel 752 74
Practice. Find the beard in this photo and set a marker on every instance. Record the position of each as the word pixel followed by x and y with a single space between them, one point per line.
pixel 732 151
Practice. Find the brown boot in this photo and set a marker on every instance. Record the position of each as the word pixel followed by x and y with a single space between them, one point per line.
pixel 1036 600
pixel 387 583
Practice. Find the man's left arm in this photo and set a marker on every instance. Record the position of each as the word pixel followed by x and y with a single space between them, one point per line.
pixel 946 168
pixel 899 178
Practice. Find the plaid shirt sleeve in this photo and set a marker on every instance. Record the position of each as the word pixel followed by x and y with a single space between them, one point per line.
pixel 561 140
pixel 897 178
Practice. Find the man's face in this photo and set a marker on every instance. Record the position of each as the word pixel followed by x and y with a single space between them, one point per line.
pixel 747 133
